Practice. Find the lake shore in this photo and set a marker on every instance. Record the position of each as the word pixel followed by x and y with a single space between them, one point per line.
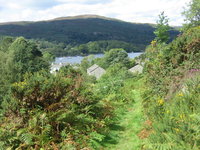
pixel 78 59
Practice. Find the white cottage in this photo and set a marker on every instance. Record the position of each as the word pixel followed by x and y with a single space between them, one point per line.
pixel 56 67
pixel 96 71
pixel 136 69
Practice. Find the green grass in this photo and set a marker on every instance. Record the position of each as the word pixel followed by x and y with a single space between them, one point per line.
pixel 130 121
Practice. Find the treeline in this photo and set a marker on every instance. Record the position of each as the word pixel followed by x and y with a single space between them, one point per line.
pixel 61 49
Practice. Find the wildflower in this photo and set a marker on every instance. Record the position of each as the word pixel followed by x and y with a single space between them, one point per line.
pixel 176 129
pixel 160 101
pixel 153 43
pixel 172 118
pixel 180 94
pixel 182 116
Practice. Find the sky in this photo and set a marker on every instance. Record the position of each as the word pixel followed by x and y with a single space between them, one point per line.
pixel 140 11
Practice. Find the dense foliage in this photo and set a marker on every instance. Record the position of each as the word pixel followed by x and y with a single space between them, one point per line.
pixel 192 14
pixel 171 100
pixel 115 56
pixel 162 29
pixel 18 57
pixel 61 49
pixel 66 110
pixel 54 112
pixel 171 97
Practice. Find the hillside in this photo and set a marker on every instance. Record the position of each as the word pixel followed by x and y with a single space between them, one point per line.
pixel 83 29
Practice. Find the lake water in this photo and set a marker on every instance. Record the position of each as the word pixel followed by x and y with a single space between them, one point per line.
pixel 77 59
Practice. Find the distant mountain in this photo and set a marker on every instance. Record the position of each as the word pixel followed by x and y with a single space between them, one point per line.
pixel 83 29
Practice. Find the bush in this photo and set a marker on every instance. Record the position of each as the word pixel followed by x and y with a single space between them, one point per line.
pixel 176 123
pixel 54 111
pixel 171 101
pixel 111 82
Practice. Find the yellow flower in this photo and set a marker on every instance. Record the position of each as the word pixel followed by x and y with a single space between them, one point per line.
pixel 153 43
pixel 160 101
pixel 176 129
pixel 180 94
pixel 182 116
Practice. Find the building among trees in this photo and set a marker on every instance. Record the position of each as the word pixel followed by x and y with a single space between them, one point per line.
pixel 56 67
pixel 96 71
pixel 136 69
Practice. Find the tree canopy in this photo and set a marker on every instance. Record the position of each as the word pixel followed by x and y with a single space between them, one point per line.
pixel 162 29
pixel 25 58
pixel 115 56
pixel 17 57
pixel 192 14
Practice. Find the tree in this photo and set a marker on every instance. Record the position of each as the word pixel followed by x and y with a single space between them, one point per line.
pixel 115 56
pixel 192 14
pixel 5 42
pixel 49 57
pixel 83 49
pixel 162 29
pixel 87 62
pixel 25 57
pixel 5 75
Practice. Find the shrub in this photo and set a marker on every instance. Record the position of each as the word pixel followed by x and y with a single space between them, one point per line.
pixel 55 111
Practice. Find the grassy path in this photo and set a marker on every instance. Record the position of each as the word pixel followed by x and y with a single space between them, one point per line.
pixel 131 120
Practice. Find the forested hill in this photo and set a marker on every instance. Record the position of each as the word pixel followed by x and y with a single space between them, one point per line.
pixel 83 29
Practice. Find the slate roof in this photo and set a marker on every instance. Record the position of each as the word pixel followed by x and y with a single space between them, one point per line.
pixel 92 68
pixel 96 71
pixel 136 69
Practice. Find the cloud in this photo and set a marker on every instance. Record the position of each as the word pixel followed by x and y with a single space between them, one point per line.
pixel 143 11
pixel 23 4
pixel 84 1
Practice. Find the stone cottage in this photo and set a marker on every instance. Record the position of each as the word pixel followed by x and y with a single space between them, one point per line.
pixel 136 69
pixel 56 67
pixel 96 71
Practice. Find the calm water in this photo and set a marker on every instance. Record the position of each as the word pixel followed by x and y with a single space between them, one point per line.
pixel 77 59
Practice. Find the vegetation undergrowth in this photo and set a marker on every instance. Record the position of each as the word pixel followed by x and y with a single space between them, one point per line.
pixel 171 98
pixel 69 110
pixel 126 131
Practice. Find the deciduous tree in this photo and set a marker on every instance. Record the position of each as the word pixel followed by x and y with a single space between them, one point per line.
pixel 192 14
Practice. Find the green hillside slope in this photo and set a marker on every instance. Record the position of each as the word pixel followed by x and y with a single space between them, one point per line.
pixel 83 29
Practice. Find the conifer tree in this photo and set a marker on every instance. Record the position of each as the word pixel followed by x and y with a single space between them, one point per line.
pixel 162 29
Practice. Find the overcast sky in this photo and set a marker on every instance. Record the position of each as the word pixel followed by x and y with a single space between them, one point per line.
pixel 141 11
